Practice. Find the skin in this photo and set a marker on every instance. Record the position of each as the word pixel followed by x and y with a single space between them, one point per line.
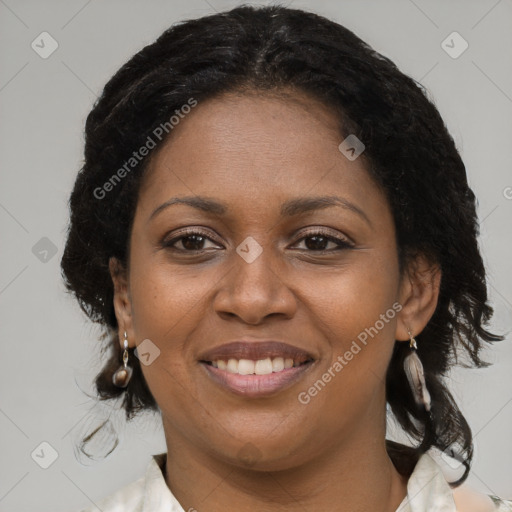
pixel 253 152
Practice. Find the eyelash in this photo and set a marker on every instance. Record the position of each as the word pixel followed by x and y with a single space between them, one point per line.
pixel 341 242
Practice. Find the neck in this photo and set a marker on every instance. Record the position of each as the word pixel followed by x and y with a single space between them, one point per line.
pixel 351 476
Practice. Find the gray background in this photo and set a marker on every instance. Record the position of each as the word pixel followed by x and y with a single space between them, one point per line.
pixel 49 351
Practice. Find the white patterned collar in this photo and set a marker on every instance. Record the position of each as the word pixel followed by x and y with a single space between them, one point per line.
pixel 427 491
pixel 157 496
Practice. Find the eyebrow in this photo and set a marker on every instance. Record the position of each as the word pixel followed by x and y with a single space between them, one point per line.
pixel 289 208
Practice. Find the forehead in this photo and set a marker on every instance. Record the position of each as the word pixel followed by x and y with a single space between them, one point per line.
pixel 255 151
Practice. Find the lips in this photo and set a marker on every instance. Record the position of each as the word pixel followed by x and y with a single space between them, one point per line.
pixel 256 369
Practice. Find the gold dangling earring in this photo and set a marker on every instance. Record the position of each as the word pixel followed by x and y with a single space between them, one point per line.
pixel 416 376
pixel 123 374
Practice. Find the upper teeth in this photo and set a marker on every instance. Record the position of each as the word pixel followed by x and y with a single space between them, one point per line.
pixel 260 367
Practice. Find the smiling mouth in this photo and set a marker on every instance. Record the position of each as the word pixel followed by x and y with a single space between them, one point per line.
pixel 254 369
pixel 257 367
pixel 256 379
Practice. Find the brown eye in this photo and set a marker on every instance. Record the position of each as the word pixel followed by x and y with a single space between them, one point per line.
pixel 192 241
pixel 318 242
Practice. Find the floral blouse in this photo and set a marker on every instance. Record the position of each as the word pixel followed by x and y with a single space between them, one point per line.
pixel 427 491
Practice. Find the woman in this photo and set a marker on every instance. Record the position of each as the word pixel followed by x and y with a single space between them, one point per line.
pixel 277 220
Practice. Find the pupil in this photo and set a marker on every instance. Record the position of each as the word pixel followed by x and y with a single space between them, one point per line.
pixel 316 244
pixel 192 246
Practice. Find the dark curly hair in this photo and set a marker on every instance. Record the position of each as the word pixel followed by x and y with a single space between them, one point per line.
pixel 409 153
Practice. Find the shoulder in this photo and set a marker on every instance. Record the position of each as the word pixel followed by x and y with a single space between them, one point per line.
pixel 149 492
pixel 468 499
pixel 430 480
pixel 127 499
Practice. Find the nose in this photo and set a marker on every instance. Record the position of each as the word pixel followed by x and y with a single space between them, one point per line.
pixel 253 291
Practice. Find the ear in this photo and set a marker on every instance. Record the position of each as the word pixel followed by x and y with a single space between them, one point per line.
pixel 122 300
pixel 418 295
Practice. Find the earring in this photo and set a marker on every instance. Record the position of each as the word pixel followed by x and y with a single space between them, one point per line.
pixel 123 374
pixel 416 376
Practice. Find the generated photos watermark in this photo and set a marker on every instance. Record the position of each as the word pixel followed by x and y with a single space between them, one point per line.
pixel 305 397
pixel 137 156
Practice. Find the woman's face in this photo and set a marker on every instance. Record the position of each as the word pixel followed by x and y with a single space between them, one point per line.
pixel 258 273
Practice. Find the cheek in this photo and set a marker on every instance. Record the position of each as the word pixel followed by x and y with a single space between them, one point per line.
pixel 350 299
pixel 164 298
pixel 355 309
pixel 166 310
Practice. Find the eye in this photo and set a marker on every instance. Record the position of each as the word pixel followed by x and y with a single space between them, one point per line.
pixel 315 241
pixel 191 241
pixel 318 240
